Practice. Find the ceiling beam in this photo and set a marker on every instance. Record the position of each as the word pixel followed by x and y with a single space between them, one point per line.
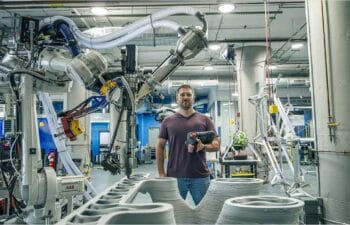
pixel 253 40
pixel 10 4
pixel 137 15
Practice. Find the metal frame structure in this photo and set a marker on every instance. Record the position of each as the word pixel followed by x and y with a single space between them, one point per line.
pixel 282 133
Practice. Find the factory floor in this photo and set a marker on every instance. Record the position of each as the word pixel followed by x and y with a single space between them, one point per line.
pixel 103 179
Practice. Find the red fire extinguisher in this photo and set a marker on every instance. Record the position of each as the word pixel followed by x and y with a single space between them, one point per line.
pixel 52 160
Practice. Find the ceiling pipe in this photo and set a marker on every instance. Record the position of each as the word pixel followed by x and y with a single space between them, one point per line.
pixel 136 15
pixel 127 3
pixel 255 40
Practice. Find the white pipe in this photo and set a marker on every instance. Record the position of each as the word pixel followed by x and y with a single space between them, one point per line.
pixel 273 161
pixel 139 23
pixel 126 38
pixel 278 135
pixel 60 144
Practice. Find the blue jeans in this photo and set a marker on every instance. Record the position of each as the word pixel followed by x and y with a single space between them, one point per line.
pixel 196 186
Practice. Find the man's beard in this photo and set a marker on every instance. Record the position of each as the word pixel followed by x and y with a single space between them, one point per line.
pixel 186 105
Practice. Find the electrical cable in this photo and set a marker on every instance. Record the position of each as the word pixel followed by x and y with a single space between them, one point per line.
pixel 34 74
pixel 11 150
pixel 66 159
pixel 115 131
pixel 31 49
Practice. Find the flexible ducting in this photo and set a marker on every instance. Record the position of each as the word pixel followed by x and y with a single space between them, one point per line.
pixel 68 36
pixel 150 22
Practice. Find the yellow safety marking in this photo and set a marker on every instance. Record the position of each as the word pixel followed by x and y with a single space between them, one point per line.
pixel 273 109
pixel 56 4
pixel 108 86
pixel 75 128
pixel 333 124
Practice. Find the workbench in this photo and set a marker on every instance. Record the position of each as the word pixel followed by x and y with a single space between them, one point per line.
pixel 234 162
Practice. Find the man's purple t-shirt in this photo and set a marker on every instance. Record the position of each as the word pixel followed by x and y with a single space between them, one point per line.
pixel 181 163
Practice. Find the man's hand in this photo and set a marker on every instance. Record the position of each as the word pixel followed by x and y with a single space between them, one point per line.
pixel 162 174
pixel 199 145
pixel 190 148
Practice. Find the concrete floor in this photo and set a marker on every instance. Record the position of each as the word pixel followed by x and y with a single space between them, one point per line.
pixel 103 179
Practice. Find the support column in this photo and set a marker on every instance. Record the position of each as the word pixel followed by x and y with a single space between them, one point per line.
pixel 80 148
pixel 250 62
pixel 329 38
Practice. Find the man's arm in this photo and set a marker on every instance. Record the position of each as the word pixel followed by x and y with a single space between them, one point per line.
pixel 160 156
pixel 214 146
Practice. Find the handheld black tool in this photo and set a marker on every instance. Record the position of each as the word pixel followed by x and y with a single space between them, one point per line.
pixel 206 137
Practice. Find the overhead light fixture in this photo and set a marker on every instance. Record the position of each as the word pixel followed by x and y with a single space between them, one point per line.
pixel 208 68
pixel 272 67
pixel 297 46
pixel 226 7
pixel 173 105
pixel 214 47
pixel 235 94
pixel 195 83
pixel 99 11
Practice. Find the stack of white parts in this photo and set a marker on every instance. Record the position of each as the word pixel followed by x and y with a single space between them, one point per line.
pixel 114 205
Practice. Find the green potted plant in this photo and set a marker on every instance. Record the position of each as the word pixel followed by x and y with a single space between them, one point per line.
pixel 240 140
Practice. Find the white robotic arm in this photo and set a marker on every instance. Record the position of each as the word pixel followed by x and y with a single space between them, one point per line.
pixel 40 186
pixel 190 44
pixel 87 68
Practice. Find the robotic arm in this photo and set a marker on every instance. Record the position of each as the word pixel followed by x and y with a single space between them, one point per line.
pixel 192 41
pixel 40 186
pixel 190 44
pixel 88 69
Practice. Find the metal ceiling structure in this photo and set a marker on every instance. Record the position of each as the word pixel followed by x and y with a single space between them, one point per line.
pixel 276 23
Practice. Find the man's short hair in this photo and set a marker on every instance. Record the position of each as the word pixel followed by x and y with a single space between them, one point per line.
pixel 185 86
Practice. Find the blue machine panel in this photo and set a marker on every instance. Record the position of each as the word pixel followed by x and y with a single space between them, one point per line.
pixel 46 140
pixel 96 128
pixel 1 128
pixel 144 122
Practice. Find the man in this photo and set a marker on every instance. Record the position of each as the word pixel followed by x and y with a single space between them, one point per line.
pixel 186 163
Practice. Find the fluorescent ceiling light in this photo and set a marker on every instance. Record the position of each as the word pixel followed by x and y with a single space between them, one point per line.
pixel 226 8
pixel 271 67
pixel 214 47
pixel 173 105
pixel 100 11
pixel 204 83
pixel 208 68
pixel 235 94
pixel 195 83
pixel 296 46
